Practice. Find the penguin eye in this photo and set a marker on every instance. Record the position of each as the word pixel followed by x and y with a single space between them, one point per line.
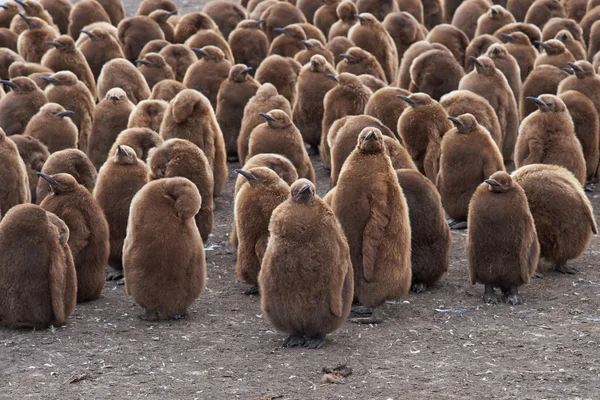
pixel 163 171
pixel 549 104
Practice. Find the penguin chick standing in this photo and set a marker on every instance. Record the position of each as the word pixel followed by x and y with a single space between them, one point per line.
pixel 20 105
pixel 282 73
pixel 372 210
pixel 306 297
pixel 33 42
pixel 585 81
pixel 135 32
pixel 346 12
pixel 164 276
pixel 208 73
pixel 249 44
pixel 34 154
pixel 99 49
pixel 121 73
pixel 502 245
pixel 88 239
pixel 141 140
pixel 358 61
pixel 556 54
pixel 148 114
pixel 154 68
pixel 14 182
pixel 51 128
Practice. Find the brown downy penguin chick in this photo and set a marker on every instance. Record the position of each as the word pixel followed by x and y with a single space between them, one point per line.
pixel 414 51
pixel 38 286
pixel 508 65
pixel 161 17
pixel 112 30
pixel 147 6
pixel 283 73
pixel 478 47
pixel 531 31
pixel 566 223
pixel 249 44
pixel 358 61
pixel 450 7
pixel 22 68
pixel 433 13
pixel 544 79
pixel 148 114
pixel 496 17
pixel 435 72
pixel 326 16
pixel 166 90
pixel 64 56
pixel 313 85
pixel 119 179
pixel 208 73
pixel 73 95
pixel 517 44
pixel 421 127
pixel 34 154
pixel 50 127
pixel 189 116
pixel 110 118
pixel 313 47
pixel 209 37
pixel 518 8
pixel 347 13
pixel 384 106
pixel 180 58
pixel 88 239
pixel 233 95
pixel 153 46
pixel 301 225
pixel 8 39
pixel 141 140
pixel 379 9
pixel 413 7
pixel 121 73
pixel 13 176
pixel 541 11
pixel 430 234
pixel 178 157
pixel 254 204
pixel 502 245
pixel 462 102
pixel 135 32
pixel 556 25
pixel 83 13
pixel 192 23
pixel 33 9
pixel 266 98
pixel 547 136
pixel 279 15
pixel 226 15
pixel 587 126
pixel 370 35
pixel 452 38
pixel 69 161
pixel 32 43
pixel 468 13
pixel 556 54
pixel 289 42
pixel 114 9
pixel 9 10
pixel 469 155
pixel 372 210
pixel 490 83
pixel 585 81
pixel 404 30
pixel 594 42
pixel 279 135
pixel 398 154
pixel 8 57
pixel 99 49
pixel 154 68
pixel 575 9
pixel 164 208
pixel 337 46
pixel 17 107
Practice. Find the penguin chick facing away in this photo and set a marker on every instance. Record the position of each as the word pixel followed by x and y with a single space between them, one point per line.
pixel 88 239
pixel 14 181
pixel 18 106
pixel 163 254
pixel 373 213
pixel 34 153
pixel 141 140
pixel 254 204
pixel 121 73
pixel 306 297
pixel 148 114
pixel 119 179
pixel 38 285
pixel 502 245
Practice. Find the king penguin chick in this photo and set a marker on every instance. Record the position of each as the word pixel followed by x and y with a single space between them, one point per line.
pixel 404 30
pixel 99 49
pixel 135 32
pixel 164 276
pixel 347 13
pixel 379 9
pixel 34 154
pixel 154 68
pixel 13 176
pixel 32 43
pixel 50 127
pixel 282 73
pixel 509 67
pixel 326 16
pixel 147 6
pixel 467 15
pixel 9 10
pixel 469 156
pixel 573 46
pixel 83 13
pixel 556 54
pixel 88 239
pixel 496 17
pixel 166 90
pixel 585 81
pixel 249 44
pixel 254 204
pixel 541 11
pixel 358 61
pixel 452 38
pixel 226 15
pixel 435 72
pixel 279 15
pixel 502 245
pixel 141 140
pixel 373 213
pixel 208 73
pixel 302 225
pixel 289 42
pixel 180 58
pixel 69 161
pixel 161 17
pixel 414 51
pixel 384 106
pixel 313 47
pixel 544 79
pixel 114 9
pixel 119 179
pixel 17 107
pixel 148 114
pixel 518 45
pixel 121 73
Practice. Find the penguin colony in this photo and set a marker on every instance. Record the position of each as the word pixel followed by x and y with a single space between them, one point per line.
pixel 116 132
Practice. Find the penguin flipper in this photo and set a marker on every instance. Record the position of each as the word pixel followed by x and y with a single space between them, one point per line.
pixel 372 235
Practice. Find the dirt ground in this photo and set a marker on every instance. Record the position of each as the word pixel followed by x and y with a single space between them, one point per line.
pixel 444 343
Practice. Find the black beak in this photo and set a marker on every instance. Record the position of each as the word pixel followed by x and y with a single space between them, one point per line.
pixel 361 19
pixel 245 71
pixel 536 101
pixel 410 102
pixel 476 61
pixel 496 51
pixel 568 71
pixel 49 79
pixel 30 24
pixel 507 37
pixel 280 30
pixel 121 152
pixel 20 2
pixel 172 13
pixel 540 43
pixel 455 121
pixel 307 44
pixel 259 22
pixel 48 178
pixel 346 56
pixel 575 67
pixel 65 113
pixel 90 34
pixel 200 51
pixel 3 6
pixel 9 84
pixel 142 61
pixel 266 116
pixel 245 174
pixel 304 189
pixel 370 135
pixel 491 182
pixel 332 76
pixel 114 97
pixel 55 44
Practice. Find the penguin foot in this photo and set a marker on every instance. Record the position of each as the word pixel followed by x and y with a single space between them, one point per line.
pixel 312 151
pixel 565 269
pixel 512 296
pixel 457 225
pixel 178 316
pixel 251 290
pixel 293 341
pixel 233 159
pixel 538 275
pixel 489 296
pixel 149 315
pixel 419 287
pixel 114 276
pixel 361 310
pixel 376 317
pixel 314 343
pixel 589 187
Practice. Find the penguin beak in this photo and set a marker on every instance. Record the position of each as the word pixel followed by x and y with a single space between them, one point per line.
pixel 307 44
pixel 496 51
pixel 540 43
pixel 361 19
pixel 304 189
pixel 245 71
pixel 20 2
pixel 142 61
pixel 172 13
pixel 575 67
pixel 476 61
pixel 537 101
pixel 259 22
pixel 65 113
pixel 245 174
pixel 266 116
pixel 49 79
pixel 346 56
pixel 332 76
pixel 3 6
pixel 280 30
pixel 121 151
pixel 90 34
pixel 491 182
pixel 370 136
pixel 507 37
pixel 455 121
pixel 199 51
pixel 114 98
pixel 9 84
pixel 55 44
pixel 410 101
pixel 568 71
pixel 30 24
pixel 49 179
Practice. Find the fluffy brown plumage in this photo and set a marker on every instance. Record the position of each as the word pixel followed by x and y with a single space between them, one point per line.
pixel 13 176
pixel 51 127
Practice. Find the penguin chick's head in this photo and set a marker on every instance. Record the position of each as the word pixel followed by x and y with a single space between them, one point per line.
pixel 182 195
pixel 277 119
pixel 115 95
pixel 416 100
pixel 346 11
pixel 370 140
pixel 318 63
pixel 497 51
pixel 548 103
pixel 259 176
pixel 366 19
pixel 55 111
pixel 209 53
pixel 465 123
pixel 20 85
pixel 66 78
pixel 63 43
pixel 552 46
pixel 293 31
pixel 499 182
pixel 312 44
pixel 303 191
pixel 250 24
pixel 125 155
pixel 353 55
pixel 60 183
pixel 239 73
pixel 483 65
pixel 582 69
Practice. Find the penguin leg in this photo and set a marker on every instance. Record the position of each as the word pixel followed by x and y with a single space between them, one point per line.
pixel 361 310
pixel 178 316
pixel 293 341
pixel 563 268
pixel 314 343
pixel 312 150
pixel 419 287
pixel 149 315
pixel 375 317
pixel 589 187
pixel 489 296
pixel 511 296
pixel 457 225
pixel 251 290
pixel 114 276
